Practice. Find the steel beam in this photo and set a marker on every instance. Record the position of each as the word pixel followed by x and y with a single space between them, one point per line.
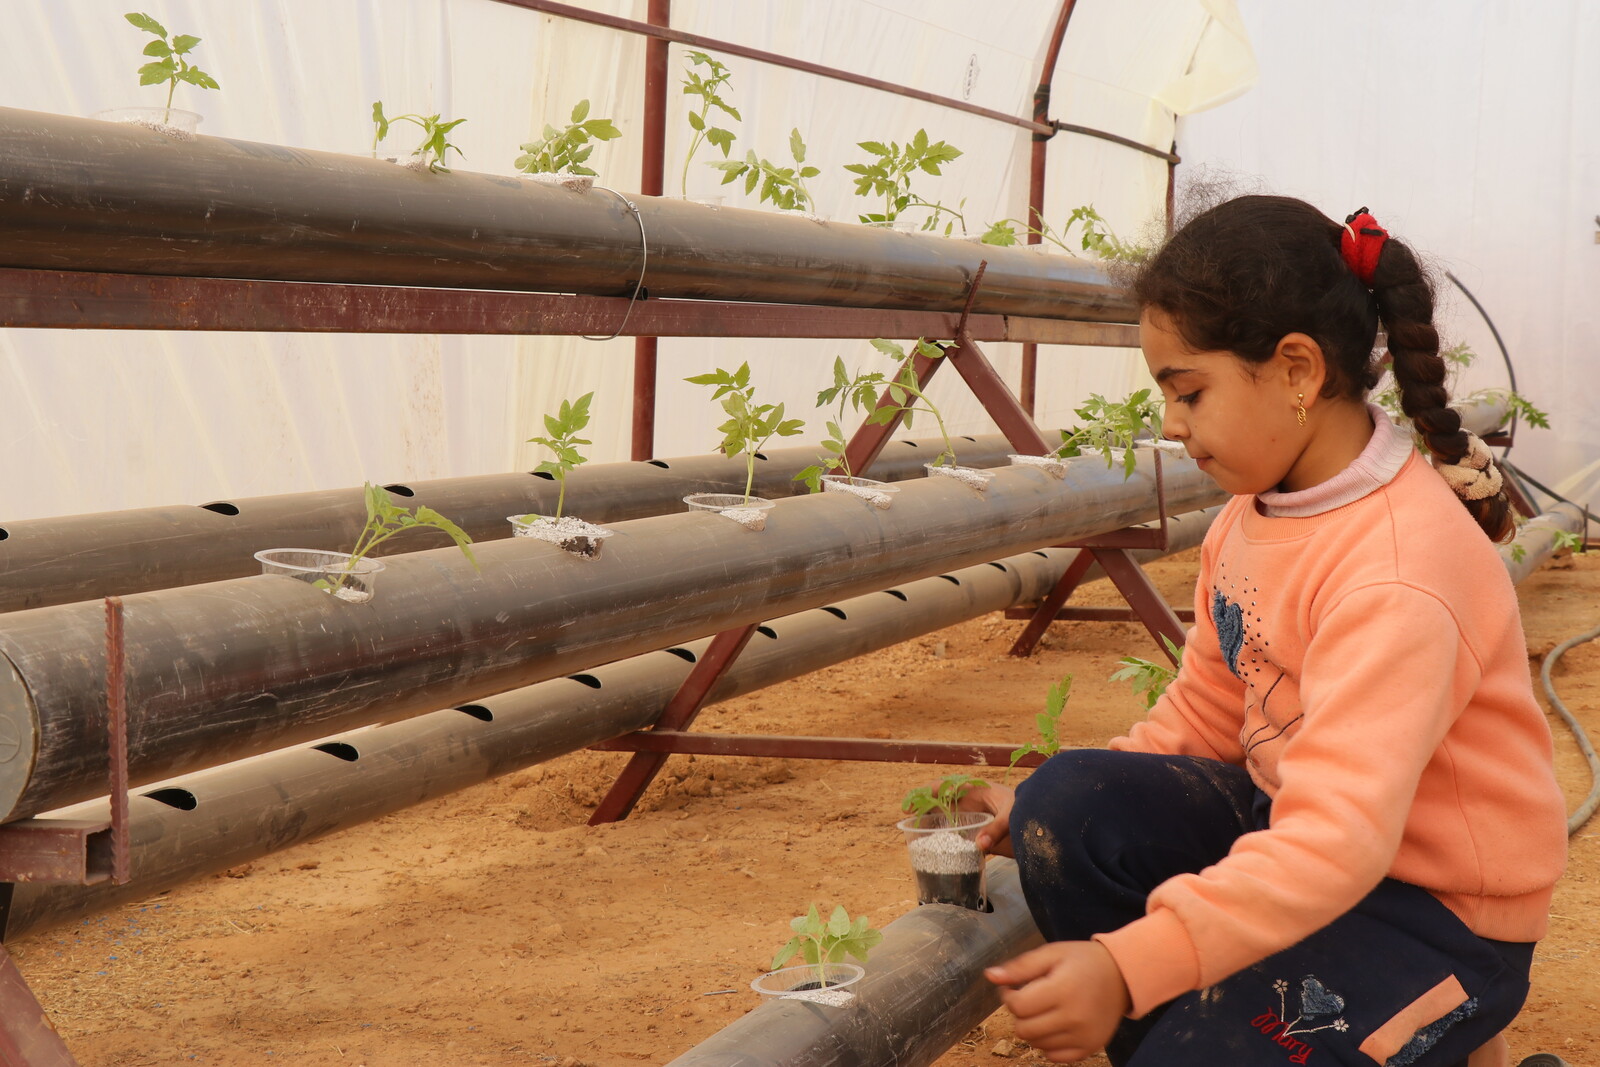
pixel 221 671
pixel 87 195
pixel 924 988
pixel 70 558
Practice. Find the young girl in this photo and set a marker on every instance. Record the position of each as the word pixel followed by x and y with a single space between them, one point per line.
pixel 1334 838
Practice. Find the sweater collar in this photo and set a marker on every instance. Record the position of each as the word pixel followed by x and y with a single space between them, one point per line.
pixel 1386 452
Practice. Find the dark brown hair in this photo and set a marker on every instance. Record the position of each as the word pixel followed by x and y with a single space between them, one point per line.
pixel 1242 275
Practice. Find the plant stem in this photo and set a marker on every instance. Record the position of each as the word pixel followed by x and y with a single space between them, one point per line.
pixel 172 87
pixel 561 497
pixel 694 146
pixel 750 473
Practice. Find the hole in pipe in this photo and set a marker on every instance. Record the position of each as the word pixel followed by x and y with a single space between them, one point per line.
pixel 908 444
pixel 222 507
pixel 546 475
pixel 343 751
pixel 1041 555
pixel 400 490
pixel 4 535
pixel 659 463
pixel 964 437
pixel 837 613
pixel 897 594
pixel 585 679
pixel 767 631
pixel 683 654
pixel 181 799
pixel 477 711
pixel 996 565
pixel 952 579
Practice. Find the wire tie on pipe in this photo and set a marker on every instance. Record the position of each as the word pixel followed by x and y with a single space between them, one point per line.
pixel 644 262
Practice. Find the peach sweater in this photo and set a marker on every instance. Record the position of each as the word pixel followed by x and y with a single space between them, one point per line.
pixel 1367 665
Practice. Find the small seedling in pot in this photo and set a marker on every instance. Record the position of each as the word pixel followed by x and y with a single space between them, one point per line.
pixel 384 520
pixel 708 89
pixel 750 425
pixel 1148 679
pixel 435 140
pixel 1095 236
pixel 783 187
pixel 820 943
pixel 1048 723
pixel 1458 358
pixel 566 150
pixel 563 429
pixel 939 840
pixel 168 62
pixel 1109 425
pixel 860 392
pixel 889 172
pixel 565 532
pixel 942 797
pixel 905 395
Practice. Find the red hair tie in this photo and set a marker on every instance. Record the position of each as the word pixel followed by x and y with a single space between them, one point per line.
pixel 1361 243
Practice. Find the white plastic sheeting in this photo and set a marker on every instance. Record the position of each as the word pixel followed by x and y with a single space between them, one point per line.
pixel 102 420
pixel 1472 129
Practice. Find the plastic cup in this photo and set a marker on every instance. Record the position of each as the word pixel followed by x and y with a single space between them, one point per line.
pixel 174 122
pixel 804 983
pixel 748 511
pixel 946 859
pixel 878 494
pixel 331 572
pixel 968 476
pixel 567 533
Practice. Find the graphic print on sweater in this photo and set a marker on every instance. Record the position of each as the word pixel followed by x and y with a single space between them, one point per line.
pixel 1271 705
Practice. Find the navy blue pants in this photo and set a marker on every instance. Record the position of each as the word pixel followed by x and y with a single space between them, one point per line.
pixel 1095 831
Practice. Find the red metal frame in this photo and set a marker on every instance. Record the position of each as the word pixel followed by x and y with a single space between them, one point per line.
pixel 670 734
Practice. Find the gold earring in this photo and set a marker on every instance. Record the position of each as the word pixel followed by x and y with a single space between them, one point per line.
pixel 1300 408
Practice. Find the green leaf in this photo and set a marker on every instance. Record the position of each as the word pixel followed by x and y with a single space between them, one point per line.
pixel 196 76
pixel 797 147
pixel 157 48
pixel 696 122
pixel 580 111
pixel 151 73
pixel 146 23
pixel 875 147
pixel 184 43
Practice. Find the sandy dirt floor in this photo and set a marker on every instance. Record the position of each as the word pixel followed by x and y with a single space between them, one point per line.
pixel 495 928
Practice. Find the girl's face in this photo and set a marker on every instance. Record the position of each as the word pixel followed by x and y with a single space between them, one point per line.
pixel 1236 419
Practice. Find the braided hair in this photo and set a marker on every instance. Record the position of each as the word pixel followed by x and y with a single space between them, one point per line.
pixel 1242 275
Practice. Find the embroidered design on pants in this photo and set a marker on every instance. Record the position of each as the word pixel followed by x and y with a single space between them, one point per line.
pixel 1317 1001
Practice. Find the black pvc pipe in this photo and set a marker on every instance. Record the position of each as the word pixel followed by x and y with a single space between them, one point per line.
pixel 82 194
pixel 70 558
pixel 221 671
pixel 924 988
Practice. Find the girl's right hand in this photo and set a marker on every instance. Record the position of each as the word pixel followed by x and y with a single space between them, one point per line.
pixel 996 800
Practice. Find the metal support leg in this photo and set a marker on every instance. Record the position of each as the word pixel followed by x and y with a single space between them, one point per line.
pixel 27 1038
pixel 679 713
pixel 1031 634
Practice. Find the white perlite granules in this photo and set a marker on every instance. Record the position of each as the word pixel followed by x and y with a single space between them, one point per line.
pixel 874 496
pixel 548 529
pixel 975 479
pixel 945 853
pixel 752 519
pixel 832 998
pixel 1054 467
pixel 177 133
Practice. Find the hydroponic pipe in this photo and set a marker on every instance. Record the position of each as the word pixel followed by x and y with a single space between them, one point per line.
pixel 221 671
pixel 81 557
pixel 228 815
pixel 82 194
pixel 924 988
pixel 1536 539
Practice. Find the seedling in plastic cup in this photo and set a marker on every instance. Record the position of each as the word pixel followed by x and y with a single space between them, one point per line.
pixel 941 843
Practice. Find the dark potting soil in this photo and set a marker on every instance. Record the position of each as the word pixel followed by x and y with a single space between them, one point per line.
pixel 962 890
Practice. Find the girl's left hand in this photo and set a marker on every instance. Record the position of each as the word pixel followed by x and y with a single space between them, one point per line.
pixel 1070 1001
